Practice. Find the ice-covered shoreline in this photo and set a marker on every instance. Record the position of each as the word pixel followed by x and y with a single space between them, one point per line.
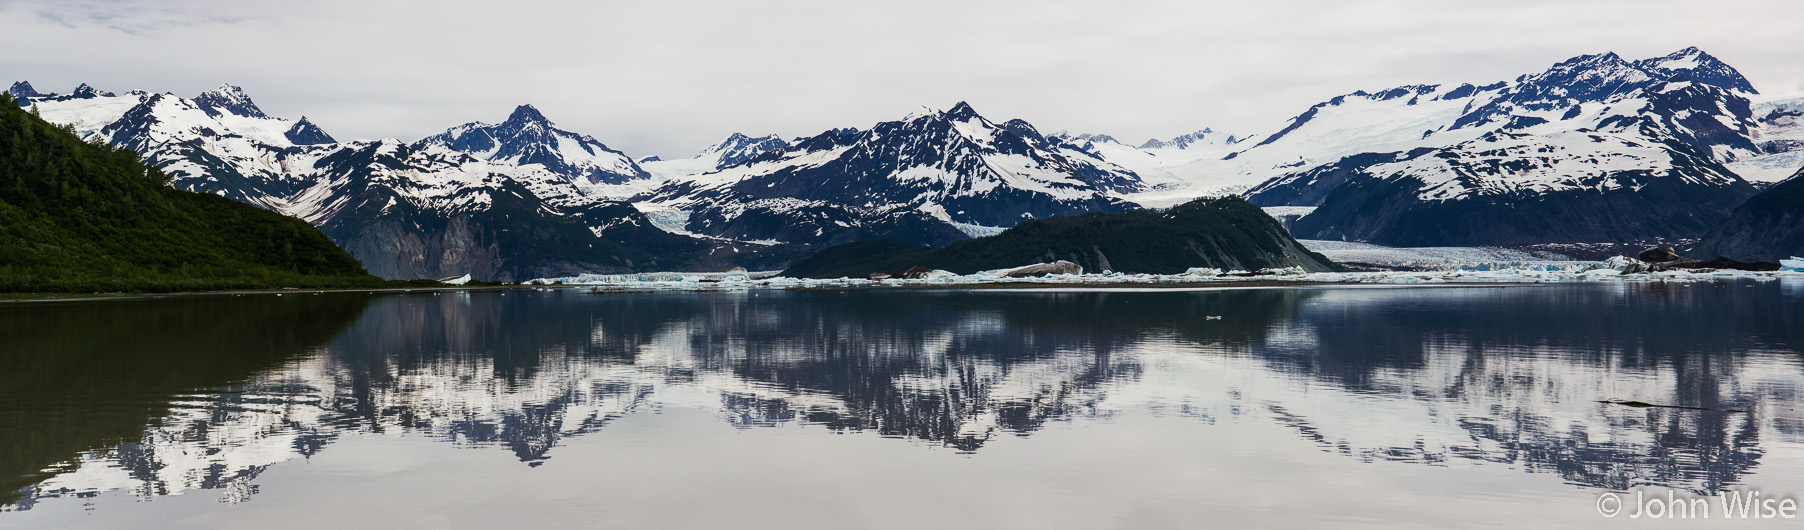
pixel 1498 273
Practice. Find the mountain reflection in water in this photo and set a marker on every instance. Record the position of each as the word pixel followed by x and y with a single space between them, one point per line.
pixel 163 396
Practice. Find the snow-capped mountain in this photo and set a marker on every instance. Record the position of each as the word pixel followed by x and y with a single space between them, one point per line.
pixel 527 138
pixel 411 210
pixel 1710 115
pixel 1596 148
pixel 1524 188
pixel 230 148
pixel 405 210
pixel 733 150
pixel 930 179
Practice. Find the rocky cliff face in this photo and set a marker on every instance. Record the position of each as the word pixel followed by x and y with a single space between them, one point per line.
pixel 1769 227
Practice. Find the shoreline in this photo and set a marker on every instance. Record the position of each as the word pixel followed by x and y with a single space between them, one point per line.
pixel 6 298
pixel 1036 286
pixel 851 285
pixel 20 298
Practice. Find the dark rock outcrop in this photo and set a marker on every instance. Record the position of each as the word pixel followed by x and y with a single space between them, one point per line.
pixel 1225 233
pixel 1666 259
pixel 305 132
pixel 1768 227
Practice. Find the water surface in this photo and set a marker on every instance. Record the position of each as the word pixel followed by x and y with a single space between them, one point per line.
pixel 1383 407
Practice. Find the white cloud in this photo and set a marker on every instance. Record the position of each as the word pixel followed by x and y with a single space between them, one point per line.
pixel 670 77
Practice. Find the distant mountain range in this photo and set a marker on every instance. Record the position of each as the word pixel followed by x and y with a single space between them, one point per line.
pixel 928 179
pixel 1594 149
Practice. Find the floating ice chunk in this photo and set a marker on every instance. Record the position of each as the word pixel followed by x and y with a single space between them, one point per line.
pixel 1285 271
pixel 938 274
pixel 457 281
pixel 1622 263
pixel 1795 264
pixel 1203 272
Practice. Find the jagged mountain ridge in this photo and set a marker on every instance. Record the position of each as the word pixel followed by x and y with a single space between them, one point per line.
pixel 1537 136
pixel 927 179
pixel 405 210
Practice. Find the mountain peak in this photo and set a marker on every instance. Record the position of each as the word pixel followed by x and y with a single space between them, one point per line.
pixel 88 91
pixel 527 114
pixel 228 99
pixel 229 89
pixel 1697 65
pixel 305 132
pixel 527 138
pixel 960 112
pixel 1023 128
pixel 22 90
pixel 739 148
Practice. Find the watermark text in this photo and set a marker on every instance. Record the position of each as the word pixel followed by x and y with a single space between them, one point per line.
pixel 1730 504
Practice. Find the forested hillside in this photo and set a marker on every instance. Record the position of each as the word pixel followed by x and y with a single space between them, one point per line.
pixel 83 217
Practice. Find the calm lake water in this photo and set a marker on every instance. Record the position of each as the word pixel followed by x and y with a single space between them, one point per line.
pixel 1297 407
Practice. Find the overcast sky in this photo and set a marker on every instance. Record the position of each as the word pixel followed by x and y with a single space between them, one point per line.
pixel 669 77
